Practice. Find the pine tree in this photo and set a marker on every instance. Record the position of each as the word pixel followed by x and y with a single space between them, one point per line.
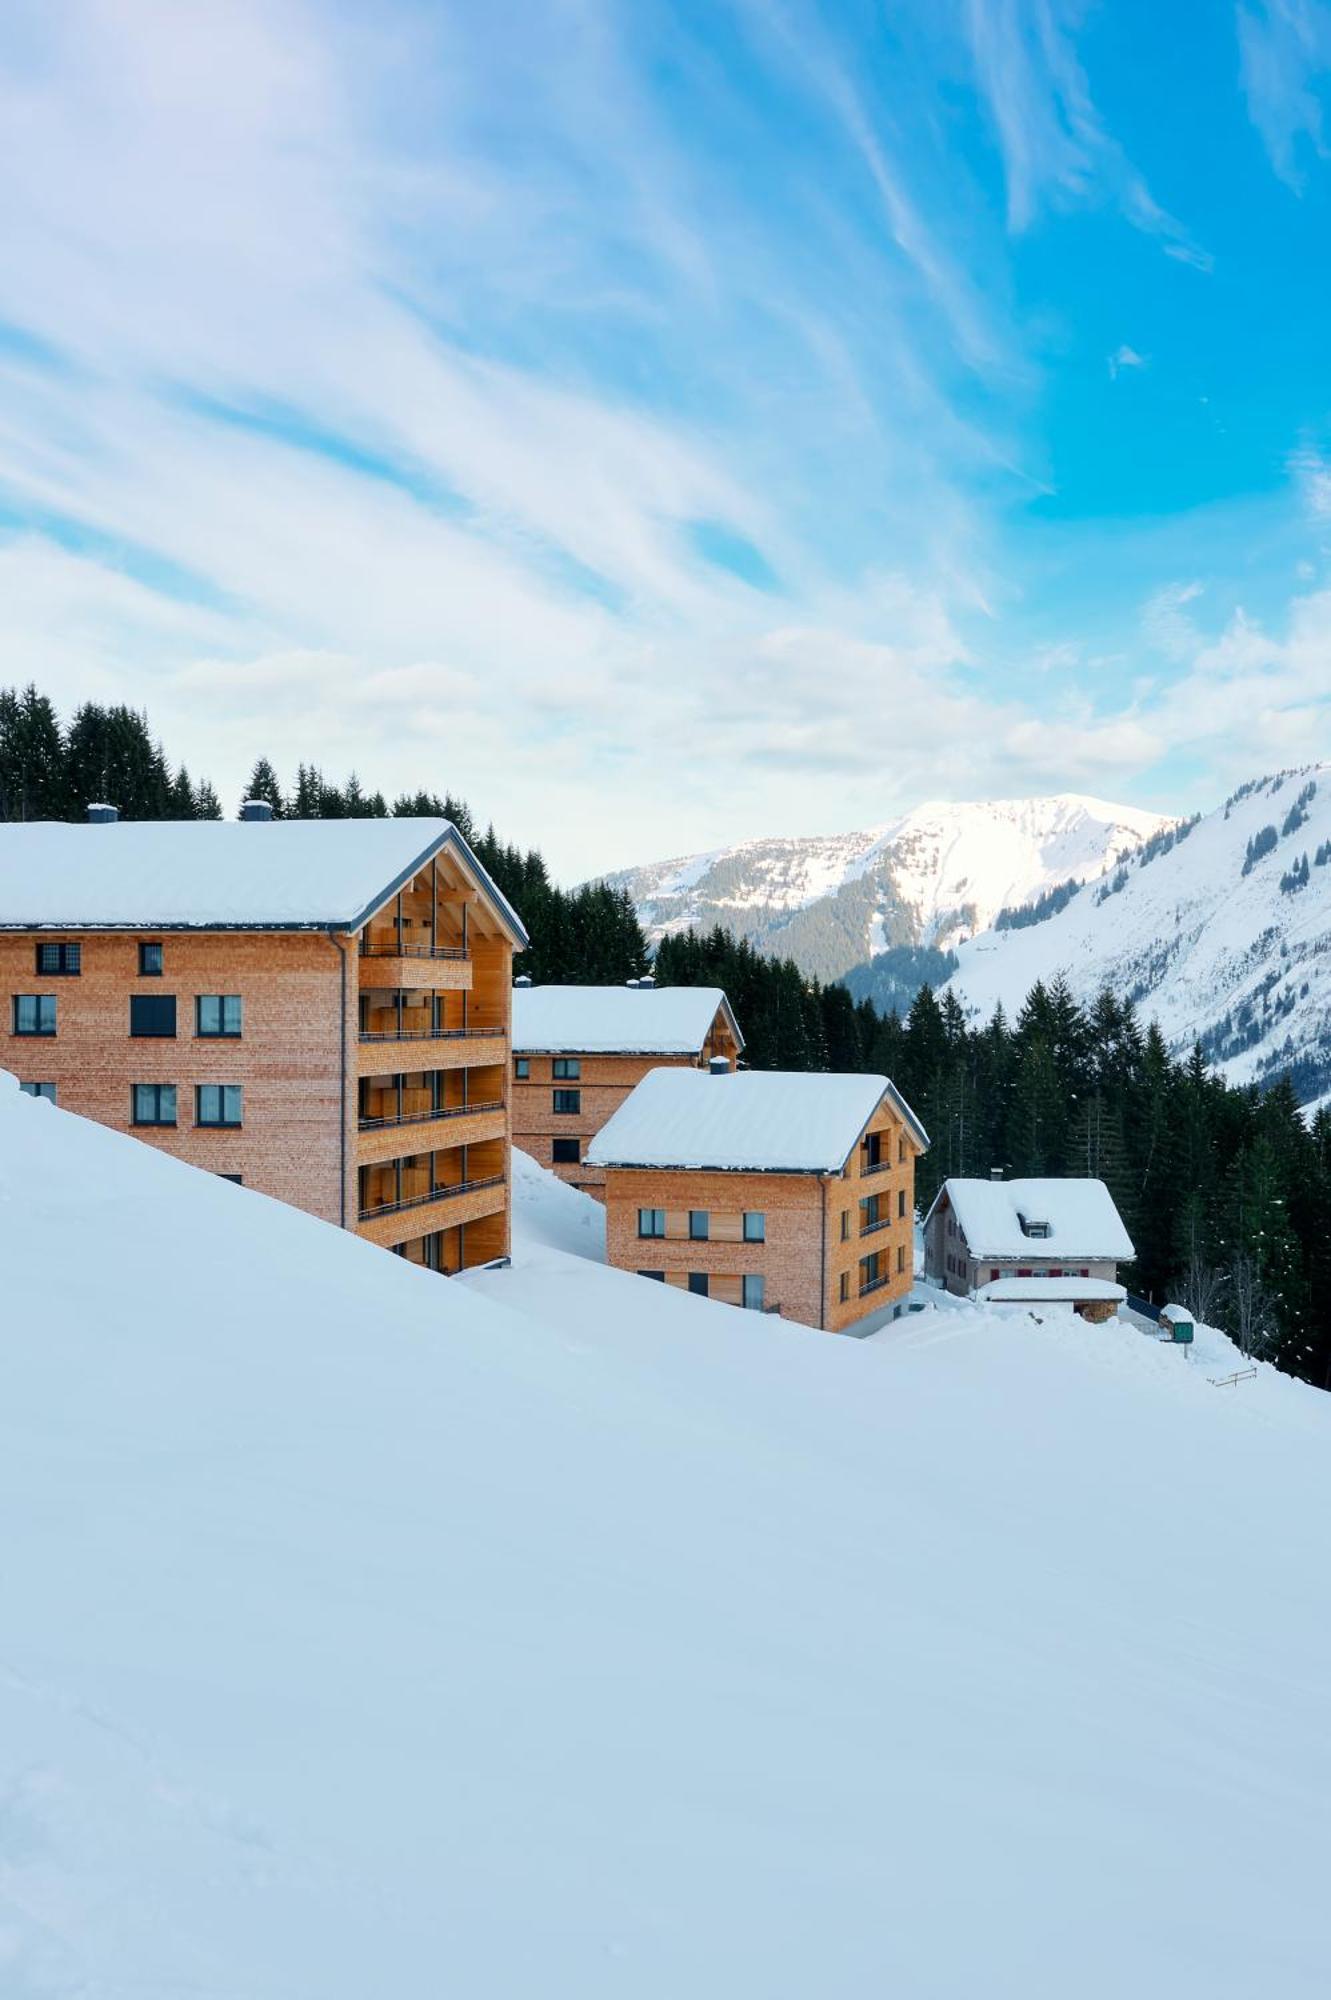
pixel 263 785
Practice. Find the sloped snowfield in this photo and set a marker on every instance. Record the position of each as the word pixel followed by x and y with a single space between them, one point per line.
pixel 553 1633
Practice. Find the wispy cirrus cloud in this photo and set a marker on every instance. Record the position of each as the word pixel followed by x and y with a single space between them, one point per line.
pixel 1285 54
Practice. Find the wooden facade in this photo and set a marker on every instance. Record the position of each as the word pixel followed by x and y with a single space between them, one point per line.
pixel 361 1074
pixel 830 1250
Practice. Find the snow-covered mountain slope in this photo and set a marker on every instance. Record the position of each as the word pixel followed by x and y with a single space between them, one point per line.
pixel 552 1632
pixel 928 878
pixel 1238 960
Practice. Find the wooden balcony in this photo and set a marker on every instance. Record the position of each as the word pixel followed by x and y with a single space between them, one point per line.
pixel 416 969
pixel 427 1131
pixel 445 1208
pixel 457 1048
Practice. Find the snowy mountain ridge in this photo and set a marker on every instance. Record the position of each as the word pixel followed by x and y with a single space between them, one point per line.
pixel 930 877
pixel 1222 935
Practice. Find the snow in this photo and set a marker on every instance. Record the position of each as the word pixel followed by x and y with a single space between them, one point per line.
pixel 1052 1290
pixel 1176 1315
pixel 1083 1221
pixel 777 1121
pixel 165 874
pixel 554 1632
pixel 1202 948
pixel 616 1020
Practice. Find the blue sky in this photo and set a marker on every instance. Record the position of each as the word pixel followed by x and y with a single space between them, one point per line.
pixel 671 423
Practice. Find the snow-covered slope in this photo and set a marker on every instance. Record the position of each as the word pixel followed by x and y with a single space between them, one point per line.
pixel 1210 952
pixel 551 1632
pixel 928 878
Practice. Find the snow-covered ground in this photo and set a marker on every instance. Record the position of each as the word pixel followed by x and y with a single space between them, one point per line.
pixel 551 1632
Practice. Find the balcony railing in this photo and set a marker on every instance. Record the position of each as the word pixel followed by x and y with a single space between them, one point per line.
pixel 435 1194
pixel 414 951
pixel 424 1117
pixel 871 1228
pixel 426 1034
pixel 875 1284
pixel 874 1166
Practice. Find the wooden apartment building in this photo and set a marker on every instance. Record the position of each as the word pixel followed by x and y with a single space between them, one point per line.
pixel 319 1009
pixel 789 1193
pixel 579 1050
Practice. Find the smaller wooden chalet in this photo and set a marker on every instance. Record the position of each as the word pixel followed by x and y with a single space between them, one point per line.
pixel 579 1050
pixel 1050 1242
pixel 786 1192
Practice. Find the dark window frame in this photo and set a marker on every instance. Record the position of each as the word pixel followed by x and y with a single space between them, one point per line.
pixel 222 1034
pixel 67 959
pixel 752 1278
pixel 147 1006
pixel 758 1215
pixel 41 1001
pixel 566 1110
pixel 218 1124
pixel 566 1158
pixel 653 1234
pixel 700 1284
pixel 700 1225
pixel 30 1088
pixel 158 1121
pixel 147 971
pixel 521 1068
pixel 566 1069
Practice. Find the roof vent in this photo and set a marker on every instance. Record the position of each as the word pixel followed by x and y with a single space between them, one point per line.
pixel 647 982
pixel 718 1066
pixel 523 979
pixel 631 982
pixel 995 1173
pixel 255 809
pixel 102 815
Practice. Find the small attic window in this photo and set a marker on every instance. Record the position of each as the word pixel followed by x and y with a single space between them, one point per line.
pixel 1031 1226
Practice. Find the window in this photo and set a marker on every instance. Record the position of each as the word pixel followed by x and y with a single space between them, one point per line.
pixel 567 1101
pixel 755 1226
pixel 239 1179
pixel 873 1151
pixel 154 1104
pixel 871 1215
pixel 993 1274
pixel 34 1013
pixel 150 961
pixel 843 1289
pixel 522 1067
pixel 46 1090
pixel 60 961
pixel 845 1225
pixel 1024 1271
pixel 658 1275
pixel 700 1225
pixel 218 1104
pixel 568 1067
pixel 651 1222
pixel 901 1150
pixel 698 1283
pixel 218 1015
pixel 152 1014
pixel 566 1152
pixel 751 1292
pixel 901 1256
pixel 901 1202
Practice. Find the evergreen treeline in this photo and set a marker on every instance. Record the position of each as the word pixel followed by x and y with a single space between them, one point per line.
pixel 49 772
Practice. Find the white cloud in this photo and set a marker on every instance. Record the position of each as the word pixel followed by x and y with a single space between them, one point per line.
pixel 1125 357
pixel 1285 57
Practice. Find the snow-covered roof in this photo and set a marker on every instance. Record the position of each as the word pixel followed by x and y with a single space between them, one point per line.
pixel 1070 1290
pixel 617 1020
pixel 1080 1215
pixel 285 874
pixel 764 1121
pixel 1177 1315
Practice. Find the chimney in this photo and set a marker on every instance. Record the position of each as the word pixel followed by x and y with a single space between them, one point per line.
pixel 631 982
pixel 523 979
pixel 103 815
pixel 995 1173
pixel 255 809
pixel 646 983
pixel 718 1066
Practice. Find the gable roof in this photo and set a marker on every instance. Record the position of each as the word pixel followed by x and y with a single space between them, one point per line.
pixel 617 1020
pixel 762 1121
pixel 1082 1218
pixel 282 874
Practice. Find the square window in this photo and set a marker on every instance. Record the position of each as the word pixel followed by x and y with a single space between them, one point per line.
pixel 698 1283
pixel 154 1104
pixel 568 1067
pixel 755 1225
pixel 60 961
pixel 567 1102
pixel 150 961
pixel 218 1104
pixel 700 1225
pixel 152 1014
pixel 566 1152
pixel 34 1013
pixel 751 1292
pixel 218 1016
pixel 522 1067
pixel 658 1275
pixel 651 1222
pixel 239 1179
pixel 46 1090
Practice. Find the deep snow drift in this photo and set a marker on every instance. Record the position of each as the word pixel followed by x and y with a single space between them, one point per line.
pixel 550 1632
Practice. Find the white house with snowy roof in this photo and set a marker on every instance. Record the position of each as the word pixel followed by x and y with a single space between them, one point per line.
pixel 1046 1241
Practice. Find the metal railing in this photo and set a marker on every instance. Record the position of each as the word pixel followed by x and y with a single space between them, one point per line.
pixel 425 1117
pixel 875 1284
pixel 871 1228
pixel 435 1194
pixel 875 1166
pixel 414 951
pixel 427 1034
